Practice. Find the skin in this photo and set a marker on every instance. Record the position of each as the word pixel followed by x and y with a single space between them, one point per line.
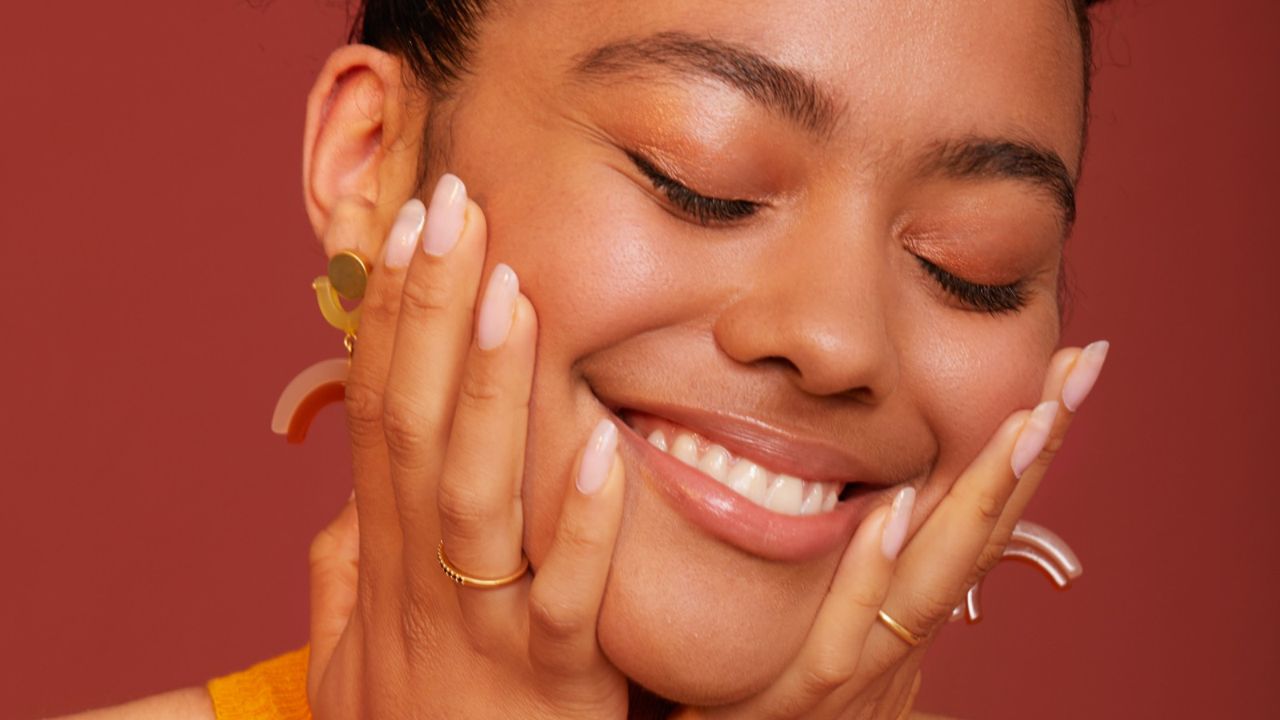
pixel 812 315
pixel 635 301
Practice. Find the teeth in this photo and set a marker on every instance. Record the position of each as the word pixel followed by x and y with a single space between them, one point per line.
pixel 715 462
pixel 658 440
pixel 813 498
pixel 749 480
pixel 780 493
pixel 686 450
pixel 785 495
pixel 829 500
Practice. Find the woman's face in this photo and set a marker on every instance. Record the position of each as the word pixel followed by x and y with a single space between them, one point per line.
pixel 794 321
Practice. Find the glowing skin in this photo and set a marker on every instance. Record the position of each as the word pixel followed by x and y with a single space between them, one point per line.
pixel 808 329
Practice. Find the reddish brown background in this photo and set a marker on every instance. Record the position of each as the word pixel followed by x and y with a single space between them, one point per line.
pixel 153 532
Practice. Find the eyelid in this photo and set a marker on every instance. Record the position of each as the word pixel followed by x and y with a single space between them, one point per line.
pixel 705 209
pixel 994 299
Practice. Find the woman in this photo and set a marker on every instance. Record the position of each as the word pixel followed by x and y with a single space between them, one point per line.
pixel 812 250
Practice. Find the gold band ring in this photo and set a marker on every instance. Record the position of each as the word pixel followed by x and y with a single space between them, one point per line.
pixel 465 580
pixel 898 629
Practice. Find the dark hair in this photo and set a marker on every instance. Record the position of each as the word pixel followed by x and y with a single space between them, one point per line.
pixel 435 36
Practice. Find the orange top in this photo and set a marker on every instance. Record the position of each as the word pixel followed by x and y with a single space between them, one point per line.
pixel 272 690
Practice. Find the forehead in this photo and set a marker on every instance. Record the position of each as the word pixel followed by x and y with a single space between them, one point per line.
pixel 901 71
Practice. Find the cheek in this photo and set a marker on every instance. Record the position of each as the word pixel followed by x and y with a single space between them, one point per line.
pixel 969 373
pixel 589 262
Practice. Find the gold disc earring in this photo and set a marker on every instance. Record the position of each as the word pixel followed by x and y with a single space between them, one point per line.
pixel 325 382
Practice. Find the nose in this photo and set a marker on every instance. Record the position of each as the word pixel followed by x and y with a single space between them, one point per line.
pixel 817 311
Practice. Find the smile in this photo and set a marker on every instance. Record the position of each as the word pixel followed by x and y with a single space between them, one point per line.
pixel 775 491
pixel 769 494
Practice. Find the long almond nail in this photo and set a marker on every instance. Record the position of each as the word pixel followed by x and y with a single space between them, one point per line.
pixel 446 215
pixel 497 310
pixel 1034 435
pixel 597 458
pixel 404 234
pixel 895 528
pixel 1084 374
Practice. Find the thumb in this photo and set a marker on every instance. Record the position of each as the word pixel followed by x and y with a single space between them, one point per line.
pixel 335 564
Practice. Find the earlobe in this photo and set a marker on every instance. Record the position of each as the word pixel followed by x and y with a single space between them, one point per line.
pixel 358 146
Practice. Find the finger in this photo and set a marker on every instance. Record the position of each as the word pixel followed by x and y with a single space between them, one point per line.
pixel 432 339
pixel 935 568
pixel 1059 368
pixel 1072 373
pixel 564 600
pixel 334 564
pixel 381 540
pixel 479 495
pixel 832 651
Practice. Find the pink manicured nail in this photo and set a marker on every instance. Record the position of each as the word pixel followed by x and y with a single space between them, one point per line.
pixel 597 458
pixel 1084 374
pixel 1035 433
pixel 446 215
pixel 895 528
pixel 404 234
pixel 497 310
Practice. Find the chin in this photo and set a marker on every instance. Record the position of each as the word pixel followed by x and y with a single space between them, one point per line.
pixel 696 620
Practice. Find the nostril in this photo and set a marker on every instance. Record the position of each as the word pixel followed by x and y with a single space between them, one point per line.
pixel 778 362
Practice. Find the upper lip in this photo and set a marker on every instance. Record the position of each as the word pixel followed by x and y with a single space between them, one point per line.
pixel 777 449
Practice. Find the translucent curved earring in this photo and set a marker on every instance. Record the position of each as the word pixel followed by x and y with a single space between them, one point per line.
pixel 1035 544
pixel 324 383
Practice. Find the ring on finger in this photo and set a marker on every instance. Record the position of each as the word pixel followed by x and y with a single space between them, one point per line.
pixel 899 629
pixel 466 580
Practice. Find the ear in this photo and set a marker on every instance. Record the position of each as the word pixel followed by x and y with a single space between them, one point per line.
pixel 362 142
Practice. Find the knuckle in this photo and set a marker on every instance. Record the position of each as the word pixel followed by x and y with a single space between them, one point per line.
pixel 926 609
pixel 864 598
pixel 989 506
pixel 380 305
pixel 427 293
pixel 403 426
pixel 829 669
pixel 576 540
pixel 363 404
pixel 480 387
pixel 416 634
pixel 465 513
pixel 556 618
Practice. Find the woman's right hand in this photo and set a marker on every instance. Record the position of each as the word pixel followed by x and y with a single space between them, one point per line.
pixel 437 404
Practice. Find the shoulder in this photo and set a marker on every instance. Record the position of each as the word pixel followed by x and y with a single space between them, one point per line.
pixel 186 704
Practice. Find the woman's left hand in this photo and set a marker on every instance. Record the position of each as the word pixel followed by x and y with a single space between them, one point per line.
pixel 851 665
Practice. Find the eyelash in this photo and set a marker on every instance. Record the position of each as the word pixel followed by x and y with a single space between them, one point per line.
pixel 702 209
pixel 994 299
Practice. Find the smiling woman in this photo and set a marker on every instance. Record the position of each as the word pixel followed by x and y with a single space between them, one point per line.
pixel 791 275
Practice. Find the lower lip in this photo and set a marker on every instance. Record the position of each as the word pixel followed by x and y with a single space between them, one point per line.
pixel 736 520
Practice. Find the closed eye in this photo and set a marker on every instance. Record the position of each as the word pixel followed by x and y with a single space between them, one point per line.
pixel 700 208
pixel 994 299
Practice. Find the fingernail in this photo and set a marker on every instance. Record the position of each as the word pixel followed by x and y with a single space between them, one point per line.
pixel 445 218
pixel 597 458
pixel 497 310
pixel 1035 433
pixel 895 528
pixel 1084 374
pixel 404 234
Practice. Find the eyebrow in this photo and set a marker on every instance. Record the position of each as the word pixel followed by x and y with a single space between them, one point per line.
pixel 999 158
pixel 801 99
pixel 791 93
